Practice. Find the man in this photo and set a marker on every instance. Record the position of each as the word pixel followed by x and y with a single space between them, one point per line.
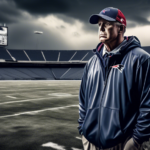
pixel 114 96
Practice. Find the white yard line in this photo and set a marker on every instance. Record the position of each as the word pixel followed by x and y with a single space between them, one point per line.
pixel 31 88
pixel 62 94
pixel 75 148
pixel 53 145
pixel 20 101
pixel 37 111
pixel 11 97
pixel 54 95
pixel 79 138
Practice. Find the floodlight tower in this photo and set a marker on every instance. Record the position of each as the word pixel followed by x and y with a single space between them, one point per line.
pixel 37 32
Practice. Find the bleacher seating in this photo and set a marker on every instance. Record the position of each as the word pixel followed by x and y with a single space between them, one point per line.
pixel 58 72
pixel 38 71
pixel 18 54
pixel 51 55
pixel 35 55
pixel 66 55
pixel 88 56
pixel 5 55
pixel 73 73
pixel 80 55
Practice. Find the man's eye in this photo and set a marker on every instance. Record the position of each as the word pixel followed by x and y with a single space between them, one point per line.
pixel 107 23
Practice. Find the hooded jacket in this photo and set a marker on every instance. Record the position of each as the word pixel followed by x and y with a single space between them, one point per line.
pixel 114 99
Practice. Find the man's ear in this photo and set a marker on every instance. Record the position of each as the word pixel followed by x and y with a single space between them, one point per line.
pixel 121 29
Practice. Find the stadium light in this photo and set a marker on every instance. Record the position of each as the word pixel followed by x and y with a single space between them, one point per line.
pixel 37 32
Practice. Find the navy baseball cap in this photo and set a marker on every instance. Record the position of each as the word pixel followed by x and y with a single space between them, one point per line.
pixel 109 14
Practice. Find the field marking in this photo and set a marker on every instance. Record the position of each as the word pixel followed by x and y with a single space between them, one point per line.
pixel 61 94
pixel 75 148
pixel 79 138
pixel 11 97
pixel 56 146
pixel 25 89
pixel 53 145
pixel 11 102
pixel 37 99
pixel 37 111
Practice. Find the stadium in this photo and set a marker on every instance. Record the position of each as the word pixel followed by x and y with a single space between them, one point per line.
pixel 39 98
pixel 39 87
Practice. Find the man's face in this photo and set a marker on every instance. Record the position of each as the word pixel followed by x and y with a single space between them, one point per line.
pixel 108 31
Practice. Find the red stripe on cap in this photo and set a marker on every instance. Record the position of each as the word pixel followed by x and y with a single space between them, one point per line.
pixel 100 47
pixel 121 18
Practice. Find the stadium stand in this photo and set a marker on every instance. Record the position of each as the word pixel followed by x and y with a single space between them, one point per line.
pixel 51 55
pixel 43 74
pixel 35 55
pixel 80 55
pixel 66 55
pixel 44 64
pixel 58 72
pixel 73 73
pixel 5 55
pixel 88 56
pixel 18 54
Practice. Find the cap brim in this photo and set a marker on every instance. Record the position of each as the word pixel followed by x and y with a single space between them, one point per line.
pixel 94 18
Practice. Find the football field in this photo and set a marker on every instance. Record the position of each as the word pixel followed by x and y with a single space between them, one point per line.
pixel 39 115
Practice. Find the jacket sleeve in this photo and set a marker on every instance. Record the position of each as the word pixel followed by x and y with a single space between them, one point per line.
pixel 82 109
pixel 141 132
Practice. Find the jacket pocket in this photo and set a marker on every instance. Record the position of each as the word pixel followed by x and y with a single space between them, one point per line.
pixel 90 126
pixel 110 129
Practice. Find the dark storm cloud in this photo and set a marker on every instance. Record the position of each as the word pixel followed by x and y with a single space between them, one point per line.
pixel 135 10
pixel 22 16
pixel 21 36
pixel 43 6
pixel 8 12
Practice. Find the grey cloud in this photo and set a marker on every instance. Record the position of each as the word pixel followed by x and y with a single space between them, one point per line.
pixel 63 27
pixel 21 36
pixel 84 8
pixel 43 7
pixel 76 34
pixel 21 27
pixel 8 12
pixel 135 12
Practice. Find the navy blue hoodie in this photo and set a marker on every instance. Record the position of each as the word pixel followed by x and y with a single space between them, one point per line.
pixel 114 101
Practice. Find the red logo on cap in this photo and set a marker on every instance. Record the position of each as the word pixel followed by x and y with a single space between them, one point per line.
pixel 103 11
pixel 121 19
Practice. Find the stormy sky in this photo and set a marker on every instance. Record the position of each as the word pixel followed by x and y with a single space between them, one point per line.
pixel 65 23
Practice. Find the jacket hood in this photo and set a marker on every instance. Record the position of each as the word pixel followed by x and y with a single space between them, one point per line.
pixel 131 42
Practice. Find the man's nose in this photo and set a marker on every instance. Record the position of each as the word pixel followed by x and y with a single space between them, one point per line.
pixel 101 28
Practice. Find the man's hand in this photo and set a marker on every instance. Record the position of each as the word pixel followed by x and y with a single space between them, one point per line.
pixel 131 145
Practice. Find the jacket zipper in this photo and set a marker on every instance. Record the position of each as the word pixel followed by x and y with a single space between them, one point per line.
pixel 100 103
pixel 105 81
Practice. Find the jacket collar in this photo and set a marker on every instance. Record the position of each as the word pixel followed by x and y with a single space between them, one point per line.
pixel 130 43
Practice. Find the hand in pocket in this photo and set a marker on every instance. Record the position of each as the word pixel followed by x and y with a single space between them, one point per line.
pixel 131 145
